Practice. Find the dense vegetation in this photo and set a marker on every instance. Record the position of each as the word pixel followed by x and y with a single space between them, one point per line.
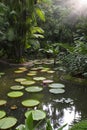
pixel 23 25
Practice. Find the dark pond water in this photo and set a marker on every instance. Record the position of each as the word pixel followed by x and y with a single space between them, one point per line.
pixel 69 107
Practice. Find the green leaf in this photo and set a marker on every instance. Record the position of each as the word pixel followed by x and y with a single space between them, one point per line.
pixel 30 103
pixel 34 89
pixel 2 114
pixel 2 102
pixel 48 125
pixel 10 34
pixel 40 13
pixel 29 122
pixel 7 123
pixel 20 127
pixel 15 94
pixel 36 114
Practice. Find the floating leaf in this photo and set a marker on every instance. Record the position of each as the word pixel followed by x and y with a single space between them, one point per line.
pixel 3 102
pixel 47 81
pixel 27 82
pixel 34 89
pixel 23 68
pixel 7 122
pixel 18 71
pixel 43 70
pixel 15 94
pixel 17 87
pixel 39 78
pixel 20 79
pixel 50 71
pixel 2 73
pixel 2 114
pixel 37 114
pixel 31 74
pixel 56 85
pixel 30 103
pixel 56 91
pixel 34 69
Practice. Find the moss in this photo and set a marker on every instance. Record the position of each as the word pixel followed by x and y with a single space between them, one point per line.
pixel 80 126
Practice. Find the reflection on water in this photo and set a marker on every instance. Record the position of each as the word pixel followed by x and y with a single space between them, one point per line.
pixel 69 107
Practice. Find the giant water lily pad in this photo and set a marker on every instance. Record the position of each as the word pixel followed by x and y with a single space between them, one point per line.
pixel 18 71
pixel 30 103
pixel 15 94
pixel 2 73
pixel 34 69
pixel 27 82
pixel 20 79
pixel 56 85
pixel 2 102
pixel 2 114
pixel 7 123
pixel 17 87
pixel 56 91
pixel 37 114
pixel 31 74
pixel 34 89
pixel 39 78
pixel 23 68
pixel 50 71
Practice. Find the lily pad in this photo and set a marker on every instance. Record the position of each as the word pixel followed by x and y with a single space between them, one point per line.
pixel 23 68
pixel 27 82
pixel 34 89
pixel 15 94
pixel 50 71
pixel 47 81
pixel 18 71
pixel 31 74
pixel 2 114
pixel 37 114
pixel 56 85
pixel 56 91
pixel 17 87
pixel 7 122
pixel 20 79
pixel 34 69
pixel 3 102
pixel 30 103
pixel 39 78
pixel 2 73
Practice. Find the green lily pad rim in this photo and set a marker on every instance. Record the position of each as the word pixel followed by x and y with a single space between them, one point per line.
pixel 10 121
pixel 15 94
pixel 40 114
pixel 27 101
pixel 34 89
pixel 27 82
pixel 2 102
pixel 2 114
pixel 17 87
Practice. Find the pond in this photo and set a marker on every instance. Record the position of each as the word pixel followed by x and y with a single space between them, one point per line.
pixel 68 107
